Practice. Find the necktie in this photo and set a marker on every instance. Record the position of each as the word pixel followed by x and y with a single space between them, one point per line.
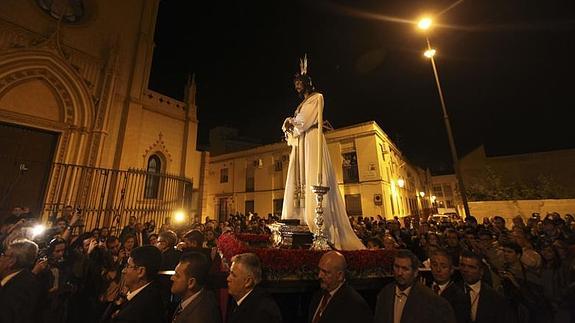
pixel 472 301
pixel 436 288
pixel 177 312
pixel 321 307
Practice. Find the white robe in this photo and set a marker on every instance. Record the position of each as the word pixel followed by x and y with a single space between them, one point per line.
pixel 303 171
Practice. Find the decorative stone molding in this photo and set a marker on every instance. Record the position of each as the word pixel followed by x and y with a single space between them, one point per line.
pixel 10 80
pixel 155 98
pixel 162 104
pixel 157 146
pixel 88 67
pixel 51 43
pixel 77 110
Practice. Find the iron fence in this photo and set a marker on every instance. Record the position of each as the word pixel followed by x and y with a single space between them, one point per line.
pixel 109 197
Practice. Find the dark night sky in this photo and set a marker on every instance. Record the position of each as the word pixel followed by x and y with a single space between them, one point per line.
pixel 507 69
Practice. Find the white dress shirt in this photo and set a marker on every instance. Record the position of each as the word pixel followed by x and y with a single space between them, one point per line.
pixel 442 287
pixel 133 294
pixel 399 303
pixel 242 299
pixel 329 299
pixel 187 301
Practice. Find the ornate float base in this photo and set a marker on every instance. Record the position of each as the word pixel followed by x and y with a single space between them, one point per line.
pixel 291 264
pixel 290 234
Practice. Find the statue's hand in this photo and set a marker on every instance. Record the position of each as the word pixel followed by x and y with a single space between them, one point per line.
pixel 287 125
pixel 291 140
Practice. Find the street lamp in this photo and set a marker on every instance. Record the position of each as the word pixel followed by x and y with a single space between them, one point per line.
pixel 179 216
pixel 429 53
pixel 424 24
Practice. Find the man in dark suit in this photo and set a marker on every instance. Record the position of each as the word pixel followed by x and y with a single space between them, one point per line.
pixel 170 257
pixel 442 271
pixel 197 304
pixel 129 229
pixel 167 244
pixel 487 306
pixel 406 301
pixel 193 240
pixel 141 238
pixel 250 304
pixel 20 291
pixel 143 302
pixel 336 301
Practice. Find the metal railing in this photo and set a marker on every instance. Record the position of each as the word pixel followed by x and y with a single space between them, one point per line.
pixel 109 197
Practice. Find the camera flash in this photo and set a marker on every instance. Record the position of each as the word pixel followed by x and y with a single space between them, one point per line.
pixel 38 230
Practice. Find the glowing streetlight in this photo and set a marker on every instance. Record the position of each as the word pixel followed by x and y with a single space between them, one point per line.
pixel 179 216
pixel 422 194
pixel 424 23
pixel 429 53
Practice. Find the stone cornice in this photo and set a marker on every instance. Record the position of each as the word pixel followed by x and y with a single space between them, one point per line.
pixel 32 121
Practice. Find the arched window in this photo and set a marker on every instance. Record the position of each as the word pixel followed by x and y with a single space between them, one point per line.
pixel 153 177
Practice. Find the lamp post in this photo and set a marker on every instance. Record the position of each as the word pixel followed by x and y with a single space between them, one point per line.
pixel 425 24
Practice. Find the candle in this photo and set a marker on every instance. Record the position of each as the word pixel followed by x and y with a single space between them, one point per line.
pixel 319 143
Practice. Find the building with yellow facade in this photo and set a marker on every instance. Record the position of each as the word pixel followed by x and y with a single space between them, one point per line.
pixel 446 195
pixel 373 176
pixel 78 124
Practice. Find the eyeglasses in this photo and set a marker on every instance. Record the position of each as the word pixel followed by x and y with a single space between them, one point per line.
pixel 132 266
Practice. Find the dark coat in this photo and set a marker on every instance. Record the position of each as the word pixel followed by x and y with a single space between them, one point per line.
pixel 19 299
pixel 422 306
pixel 345 306
pixel 491 307
pixel 258 307
pixel 127 231
pixel 145 307
pixel 203 309
pixel 170 259
pixel 456 297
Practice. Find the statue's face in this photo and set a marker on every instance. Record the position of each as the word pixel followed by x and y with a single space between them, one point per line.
pixel 299 86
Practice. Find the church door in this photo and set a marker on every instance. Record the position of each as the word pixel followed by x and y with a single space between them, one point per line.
pixel 26 156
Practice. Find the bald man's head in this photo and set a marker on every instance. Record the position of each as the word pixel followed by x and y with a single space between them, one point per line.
pixel 332 266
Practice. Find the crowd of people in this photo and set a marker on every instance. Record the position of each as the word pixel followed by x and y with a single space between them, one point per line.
pixel 529 263
pixel 476 272
pixel 65 275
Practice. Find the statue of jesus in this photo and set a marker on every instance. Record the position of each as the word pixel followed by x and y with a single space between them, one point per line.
pixel 305 170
